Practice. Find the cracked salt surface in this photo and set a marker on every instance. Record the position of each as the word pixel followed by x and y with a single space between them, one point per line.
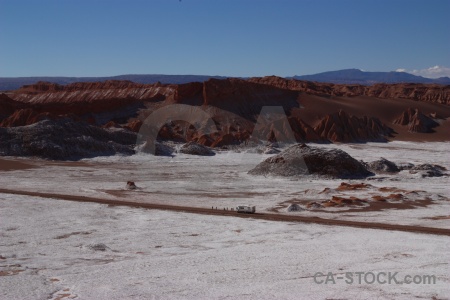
pixel 56 247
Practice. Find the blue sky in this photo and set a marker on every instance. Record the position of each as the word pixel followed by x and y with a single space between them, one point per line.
pixel 221 37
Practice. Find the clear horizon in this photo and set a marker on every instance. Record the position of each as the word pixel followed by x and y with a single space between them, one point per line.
pixel 225 38
pixel 151 74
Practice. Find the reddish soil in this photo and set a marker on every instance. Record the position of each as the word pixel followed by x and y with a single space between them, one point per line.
pixel 351 187
pixel 12 165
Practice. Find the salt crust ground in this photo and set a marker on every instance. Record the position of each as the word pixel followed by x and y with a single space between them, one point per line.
pixel 222 181
pixel 47 252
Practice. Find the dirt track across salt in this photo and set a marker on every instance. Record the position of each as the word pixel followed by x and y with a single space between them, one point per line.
pixel 222 212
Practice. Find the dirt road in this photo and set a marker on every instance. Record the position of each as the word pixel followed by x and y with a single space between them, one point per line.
pixel 221 212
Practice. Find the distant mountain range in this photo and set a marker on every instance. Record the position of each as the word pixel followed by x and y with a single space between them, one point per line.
pixel 12 83
pixel 348 76
pixel 355 76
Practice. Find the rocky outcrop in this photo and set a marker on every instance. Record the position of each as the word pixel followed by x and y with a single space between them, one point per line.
pixel 193 148
pixel 271 150
pixel 134 125
pixel 111 124
pixel 304 133
pixel 428 170
pixel 24 117
pixel 294 208
pixel 131 185
pixel 227 139
pixel 158 149
pixel 314 88
pixel 8 106
pixel 246 98
pixel 124 98
pixel 416 121
pixel 289 130
pixel 382 166
pixel 434 93
pixel 343 128
pixel 423 92
pixel 301 160
pixel 64 140
pixel 233 104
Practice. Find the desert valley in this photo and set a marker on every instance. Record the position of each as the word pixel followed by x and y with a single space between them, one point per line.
pixel 344 177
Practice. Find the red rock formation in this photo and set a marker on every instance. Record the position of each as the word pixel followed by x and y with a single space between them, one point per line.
pixel 314 88
pixel 8 106
pixel 189 93
pixel 340 127
pixel 24 117
pixel 40 86
pixel 204 140
pixel 134 125
pixel 303 132
pixel 168 132
pixel 90 97
pixel 111 124
pixel 423 92
pixel 224 140
pixel 233 104
pixel 246 98
pixel 416 121
pixel 281 130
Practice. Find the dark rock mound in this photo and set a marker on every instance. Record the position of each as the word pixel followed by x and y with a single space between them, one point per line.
pixel 98 247
pixel 405 166
pixel 314 205
pixel 383 166
pixel 196 149
pixel 65 139
pixel 131 185
pixel 428 170
pixel 159 149
pixel 294 207
pixel 301 160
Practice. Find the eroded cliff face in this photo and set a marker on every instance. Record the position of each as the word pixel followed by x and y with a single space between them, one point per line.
pixel 8 106
pixel 233 104
pixel 422 92
pixel 95 97
pixel 246 98
pixel 416 121
pixel 343 128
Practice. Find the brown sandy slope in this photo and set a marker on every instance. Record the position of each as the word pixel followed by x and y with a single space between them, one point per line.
pixel 261 216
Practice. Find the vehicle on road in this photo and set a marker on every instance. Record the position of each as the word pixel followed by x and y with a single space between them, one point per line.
pixel 246 209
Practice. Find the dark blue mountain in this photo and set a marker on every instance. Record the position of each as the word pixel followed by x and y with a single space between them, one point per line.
pixel 349 76
pixel 355 76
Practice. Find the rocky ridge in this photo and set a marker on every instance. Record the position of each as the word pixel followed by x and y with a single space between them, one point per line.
pixel 416 121
pixel 422 92
pixel 65 139
pixel 233 104
pixel 343 128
